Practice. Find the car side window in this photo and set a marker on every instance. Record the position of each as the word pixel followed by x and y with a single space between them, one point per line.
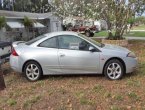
pixel 72 43
pixel 49 43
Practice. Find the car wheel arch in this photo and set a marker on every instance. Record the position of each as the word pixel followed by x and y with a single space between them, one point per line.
pixel 123 63
pixel 30 61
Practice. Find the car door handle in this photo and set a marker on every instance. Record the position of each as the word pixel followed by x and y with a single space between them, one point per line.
pixel 62 55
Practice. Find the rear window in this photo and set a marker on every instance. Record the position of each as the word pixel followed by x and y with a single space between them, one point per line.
pixel 34 40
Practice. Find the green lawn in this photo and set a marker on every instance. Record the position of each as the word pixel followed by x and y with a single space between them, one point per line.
pixel 141 27
pixel 101 34
pixel 131 34
pixel 136 34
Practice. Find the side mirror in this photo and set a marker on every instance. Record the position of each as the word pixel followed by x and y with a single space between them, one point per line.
pixel 82 45
pixel 92 49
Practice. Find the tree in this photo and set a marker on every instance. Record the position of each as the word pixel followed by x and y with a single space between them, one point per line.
pixel 2 22
pixel 140 20
pixel 28 23
pixel 38 6
pixel 118 13
pixel 115 12
pixel 70 8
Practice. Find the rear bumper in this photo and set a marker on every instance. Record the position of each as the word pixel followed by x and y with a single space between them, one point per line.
pixel 14 63
pixel 131 64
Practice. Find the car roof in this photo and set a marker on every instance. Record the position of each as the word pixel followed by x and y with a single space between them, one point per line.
pixel 61 33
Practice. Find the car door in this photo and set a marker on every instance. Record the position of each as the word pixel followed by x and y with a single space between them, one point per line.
pixel 74 57
pixel 48 56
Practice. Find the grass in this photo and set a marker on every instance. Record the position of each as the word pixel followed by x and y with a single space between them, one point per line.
pixel 133 83
pixel 135 34
pixel 107 94
pixel 132 33
pixel 133 96
pixel 101 34
pixel 83 92
pixel 118 97
pixel 98 88
pixel 83 98
pixel 141 27
pixel 115 108
pixel 31 101
pixel 11 102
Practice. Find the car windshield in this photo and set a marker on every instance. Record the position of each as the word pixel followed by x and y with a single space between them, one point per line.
pixel 34 40
pixel 92 41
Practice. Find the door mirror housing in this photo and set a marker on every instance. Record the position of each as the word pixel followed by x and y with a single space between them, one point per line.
pixel 92 49
pixel 82 45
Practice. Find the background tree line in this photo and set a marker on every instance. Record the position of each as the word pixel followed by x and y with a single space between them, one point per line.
pixel 117 13
pixel 39 6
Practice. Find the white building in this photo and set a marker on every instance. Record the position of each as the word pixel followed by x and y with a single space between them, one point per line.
pixel 44 23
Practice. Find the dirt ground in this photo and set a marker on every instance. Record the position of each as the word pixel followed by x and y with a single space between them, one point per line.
pixel 83 92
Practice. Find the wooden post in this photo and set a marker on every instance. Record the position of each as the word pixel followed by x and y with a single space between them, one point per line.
pixel 2 82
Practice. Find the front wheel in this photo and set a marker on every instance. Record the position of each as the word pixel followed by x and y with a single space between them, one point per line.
pixel 114 69
pixel 32 71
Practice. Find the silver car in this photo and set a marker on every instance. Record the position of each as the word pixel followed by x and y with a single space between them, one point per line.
pixel 70 53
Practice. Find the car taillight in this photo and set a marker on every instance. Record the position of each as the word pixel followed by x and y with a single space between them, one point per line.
pixel 14 53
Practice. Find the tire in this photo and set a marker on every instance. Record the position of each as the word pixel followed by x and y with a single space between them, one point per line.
pixel 32 71
pixel 114 69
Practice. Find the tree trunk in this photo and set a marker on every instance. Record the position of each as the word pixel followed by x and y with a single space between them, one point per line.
pixel 2 82
pixel 118 33
pixel 110 35
pixel 27 31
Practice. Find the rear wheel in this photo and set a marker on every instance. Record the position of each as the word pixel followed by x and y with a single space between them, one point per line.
pixel 32 71
pixel 114 69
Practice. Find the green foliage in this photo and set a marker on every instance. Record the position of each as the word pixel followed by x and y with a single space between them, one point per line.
pixel 140 20
pixel 38 6
pixel 2 21
pixel 117 13
pixel 28 23
pixel 131 20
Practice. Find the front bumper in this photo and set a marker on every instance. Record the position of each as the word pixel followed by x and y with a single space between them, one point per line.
pixel 131 64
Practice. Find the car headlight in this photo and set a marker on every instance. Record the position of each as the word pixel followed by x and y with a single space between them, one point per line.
pixel 131 54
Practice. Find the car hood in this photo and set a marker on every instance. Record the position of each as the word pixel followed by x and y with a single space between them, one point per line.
pixel 115 47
